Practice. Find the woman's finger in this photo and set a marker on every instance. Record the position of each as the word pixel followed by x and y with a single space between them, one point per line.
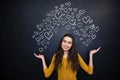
pixel 98 49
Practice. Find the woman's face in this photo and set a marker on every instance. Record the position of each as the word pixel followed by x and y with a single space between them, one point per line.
pixel 66 43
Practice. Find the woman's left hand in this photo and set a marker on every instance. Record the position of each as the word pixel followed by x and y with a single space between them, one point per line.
pixel 95 50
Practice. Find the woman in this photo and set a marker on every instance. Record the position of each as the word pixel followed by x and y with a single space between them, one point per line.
pixel 66 60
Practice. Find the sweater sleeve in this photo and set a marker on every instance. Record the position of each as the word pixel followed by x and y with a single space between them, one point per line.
pixel 84 66
pixel 48 71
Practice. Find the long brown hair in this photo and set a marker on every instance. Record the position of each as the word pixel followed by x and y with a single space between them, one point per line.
pixel 72 55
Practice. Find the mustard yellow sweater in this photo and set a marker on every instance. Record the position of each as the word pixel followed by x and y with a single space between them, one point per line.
pixel 65 72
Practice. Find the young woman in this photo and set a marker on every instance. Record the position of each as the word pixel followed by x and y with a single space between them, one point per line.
pixel 66 60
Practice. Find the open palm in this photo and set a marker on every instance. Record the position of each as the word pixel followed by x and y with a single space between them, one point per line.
pixel 94 50
pixel 39 56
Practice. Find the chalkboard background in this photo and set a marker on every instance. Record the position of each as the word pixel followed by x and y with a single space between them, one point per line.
pixel 19 18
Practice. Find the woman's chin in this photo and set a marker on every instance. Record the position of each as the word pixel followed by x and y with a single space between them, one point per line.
pixel 65 50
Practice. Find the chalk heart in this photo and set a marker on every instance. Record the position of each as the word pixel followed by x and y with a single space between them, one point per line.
pixel 81 11
pixel 96 28
pixel 86 19
pixel 58 14
pixel 67 27
pixel 72 21
pixel 55 30
pixel 93 36
pixel 48 27
pixel 48 35
pixel 41 49
pixel 79 24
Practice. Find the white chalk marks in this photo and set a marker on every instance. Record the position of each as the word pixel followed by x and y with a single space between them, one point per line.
pixel 71 19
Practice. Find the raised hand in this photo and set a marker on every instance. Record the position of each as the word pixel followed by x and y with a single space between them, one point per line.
pixel 39 56
pixel 94 50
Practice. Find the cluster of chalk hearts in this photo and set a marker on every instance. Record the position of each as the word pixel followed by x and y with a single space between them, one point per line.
pixel 68 18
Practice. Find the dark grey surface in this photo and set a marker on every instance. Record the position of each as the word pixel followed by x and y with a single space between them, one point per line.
pixel 18 18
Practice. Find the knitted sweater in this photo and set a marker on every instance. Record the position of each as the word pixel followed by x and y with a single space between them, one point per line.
pixel 65 72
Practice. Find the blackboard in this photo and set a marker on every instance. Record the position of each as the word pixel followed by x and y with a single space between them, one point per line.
pixel 22 19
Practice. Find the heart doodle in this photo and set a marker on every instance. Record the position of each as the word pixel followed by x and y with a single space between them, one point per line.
pixel 79 24
pixel 43 42
pixel 41 49
pixel 96 28
pixel 72 21
pixel 89 40
pixel 48 35
pixel 48 27
pixel 86 19
pixel 82 11
pixel 67 27
pixel 55 30
pixel 93 36
pixel 58 15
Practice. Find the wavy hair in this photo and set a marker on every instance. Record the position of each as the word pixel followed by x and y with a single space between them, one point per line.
pixel 72 55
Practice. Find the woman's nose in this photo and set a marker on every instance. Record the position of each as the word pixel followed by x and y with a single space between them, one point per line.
pixel 66 44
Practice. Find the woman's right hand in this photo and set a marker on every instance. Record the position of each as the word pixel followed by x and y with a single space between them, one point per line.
pixel 39 56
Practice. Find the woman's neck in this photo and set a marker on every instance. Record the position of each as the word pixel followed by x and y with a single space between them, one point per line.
pixel 65 54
